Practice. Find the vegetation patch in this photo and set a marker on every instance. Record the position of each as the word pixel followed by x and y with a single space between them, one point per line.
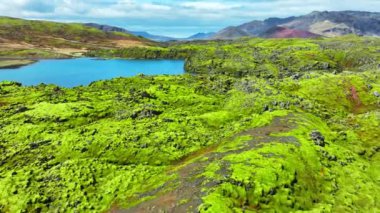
pixel 264 125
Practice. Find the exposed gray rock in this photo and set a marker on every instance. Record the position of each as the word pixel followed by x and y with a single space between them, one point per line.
pixel 266 108
pixel 146 113
pixel 296 76
pixel 332 158
pixel 318 138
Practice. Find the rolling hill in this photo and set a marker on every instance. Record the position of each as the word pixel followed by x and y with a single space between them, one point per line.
pixel 44 38
pixel 328 24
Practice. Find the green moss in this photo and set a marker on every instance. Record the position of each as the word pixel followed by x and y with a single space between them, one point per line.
pixel 283 177
pixel 117 143
pixel 271 58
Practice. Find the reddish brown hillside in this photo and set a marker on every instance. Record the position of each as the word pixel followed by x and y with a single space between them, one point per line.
pixel 282 32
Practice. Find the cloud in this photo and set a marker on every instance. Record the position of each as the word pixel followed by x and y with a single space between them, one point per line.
pixel 158 15
pixel 155 7
pixel 209 6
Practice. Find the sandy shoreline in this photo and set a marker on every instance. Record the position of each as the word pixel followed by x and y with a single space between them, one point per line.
pixel 15 63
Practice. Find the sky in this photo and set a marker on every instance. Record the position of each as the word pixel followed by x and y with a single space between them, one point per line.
pixel 170 17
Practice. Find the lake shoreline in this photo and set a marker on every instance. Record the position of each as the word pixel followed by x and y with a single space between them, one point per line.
pixel 15 63
pixel 83 71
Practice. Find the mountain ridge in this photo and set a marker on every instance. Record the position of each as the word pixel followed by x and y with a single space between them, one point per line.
pixel 324 23
pixel 159 38
pixel 109 28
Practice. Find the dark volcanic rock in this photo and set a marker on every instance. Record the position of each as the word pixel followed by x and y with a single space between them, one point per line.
pixel 296 76
pixel 21 109
pixel 318 138
pixel 146 113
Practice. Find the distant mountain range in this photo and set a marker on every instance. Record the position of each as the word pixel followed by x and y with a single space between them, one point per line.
pixel 315 24
pixel 327 24
pixel 108 28
pixel 201 36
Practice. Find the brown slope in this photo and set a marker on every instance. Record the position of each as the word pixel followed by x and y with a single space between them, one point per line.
pixel 282 32
pixel 60 38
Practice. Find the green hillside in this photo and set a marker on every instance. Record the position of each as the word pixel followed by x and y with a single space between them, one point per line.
pixel 29 38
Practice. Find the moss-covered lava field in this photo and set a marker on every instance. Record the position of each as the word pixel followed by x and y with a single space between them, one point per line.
pixel 256 125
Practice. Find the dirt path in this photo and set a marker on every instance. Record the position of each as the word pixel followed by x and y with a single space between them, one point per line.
pixel 187 193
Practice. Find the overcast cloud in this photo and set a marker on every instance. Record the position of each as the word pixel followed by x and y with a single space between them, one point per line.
pixel 173 18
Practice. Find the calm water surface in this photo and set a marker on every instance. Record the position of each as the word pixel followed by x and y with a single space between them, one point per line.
pixel 83 71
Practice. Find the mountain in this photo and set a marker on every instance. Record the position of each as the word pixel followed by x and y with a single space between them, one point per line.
pixel 159 38
pixel 201 36
pixel 108 28
pixel 328 24
pixel 333 24
pixel 197 36
pixel 231 33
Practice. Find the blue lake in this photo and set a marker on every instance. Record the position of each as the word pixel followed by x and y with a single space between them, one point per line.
pixel 83 71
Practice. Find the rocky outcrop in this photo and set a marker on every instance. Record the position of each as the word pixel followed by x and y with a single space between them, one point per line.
pixel 318 138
